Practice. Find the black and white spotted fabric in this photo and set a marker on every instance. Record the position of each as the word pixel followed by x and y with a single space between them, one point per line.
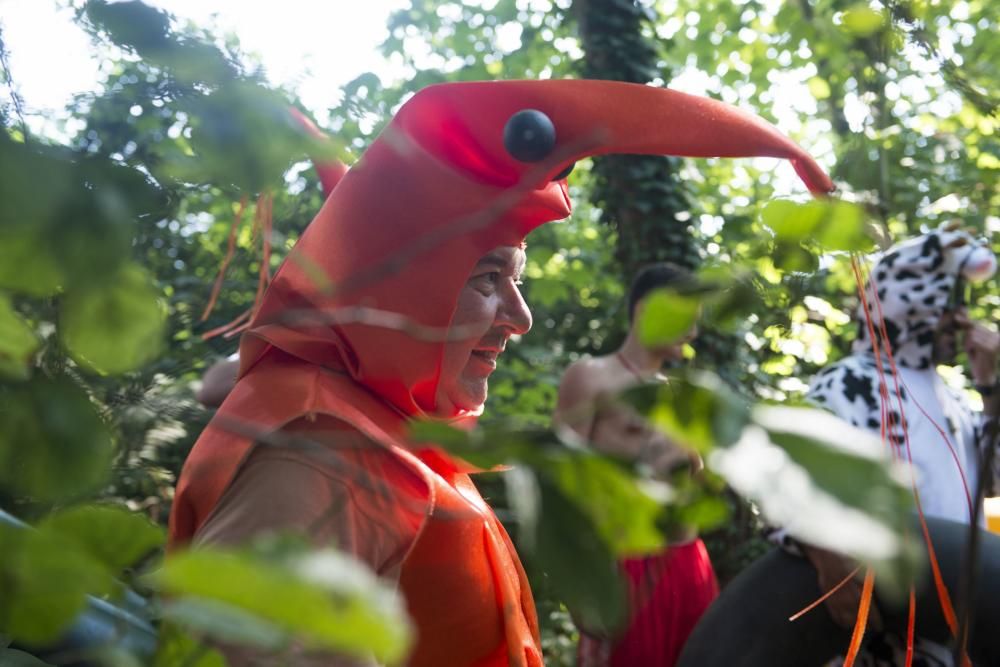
pixel 914 283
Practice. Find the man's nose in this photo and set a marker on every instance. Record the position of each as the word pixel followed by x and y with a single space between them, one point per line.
pixel 514 313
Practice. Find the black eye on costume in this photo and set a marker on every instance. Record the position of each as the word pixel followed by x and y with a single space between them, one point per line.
pixel 529 136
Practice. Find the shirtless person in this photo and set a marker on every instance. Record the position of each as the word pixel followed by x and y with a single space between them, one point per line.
pixel 669 590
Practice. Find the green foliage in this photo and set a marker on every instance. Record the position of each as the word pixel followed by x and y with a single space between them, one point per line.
pixel 569 552
pixel 46 581
pixel 863 21
pixel 10 657
pixel 666 317
pixel 112 536
pixel 696 410
pixel 74 552
pixel 178 648
pixel 324 599
pixel 53 445
pixel 115 327
pixel 17 342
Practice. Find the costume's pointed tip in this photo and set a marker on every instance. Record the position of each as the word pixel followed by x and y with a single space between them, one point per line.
pixel 330 171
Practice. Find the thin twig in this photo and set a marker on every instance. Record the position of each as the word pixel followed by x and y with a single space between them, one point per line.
pixel 14 95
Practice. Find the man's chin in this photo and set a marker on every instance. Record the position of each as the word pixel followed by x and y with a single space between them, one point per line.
pixel 466 399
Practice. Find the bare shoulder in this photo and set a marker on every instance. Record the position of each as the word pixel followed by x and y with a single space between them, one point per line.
pixel 586 379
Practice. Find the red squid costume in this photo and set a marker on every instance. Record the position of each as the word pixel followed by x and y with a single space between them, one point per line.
pixel 460 170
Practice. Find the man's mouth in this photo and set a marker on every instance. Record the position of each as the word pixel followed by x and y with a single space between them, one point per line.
pixel 487 355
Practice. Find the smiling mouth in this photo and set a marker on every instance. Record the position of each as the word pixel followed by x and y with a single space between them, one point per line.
pixel 488 355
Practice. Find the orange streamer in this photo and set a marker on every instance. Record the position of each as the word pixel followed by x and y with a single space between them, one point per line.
pixel 942 591
pixel 911 624
pixel 862 622
pixel 799 614
pixel 230 251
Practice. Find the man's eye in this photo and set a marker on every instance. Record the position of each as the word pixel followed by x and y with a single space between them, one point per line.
pixel 493 277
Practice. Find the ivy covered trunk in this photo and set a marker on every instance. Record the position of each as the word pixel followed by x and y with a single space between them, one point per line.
pixel 645 200
pixel 641 197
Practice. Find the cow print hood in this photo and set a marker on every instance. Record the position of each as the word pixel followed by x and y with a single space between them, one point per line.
pixel 916 281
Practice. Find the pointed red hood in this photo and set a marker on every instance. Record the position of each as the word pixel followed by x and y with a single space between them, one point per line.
pixel 439 188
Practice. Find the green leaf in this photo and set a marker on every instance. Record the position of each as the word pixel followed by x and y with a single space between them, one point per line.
pixel 242 136
pixel 224 622
pixel 53 445
pixel 46 581
pixel 487 447
pixel 844 227
pixel 17 342
pixel 10 657
pixel 620 510
pixel 791 221
pixel 27 264
pixel 794 257
pixel 862 21
pixel 695 409
pixel 570 552
pixel 665 317
pixel 324 598
pixel 831 224
pixel 115 327
pixel 827 482
pixel 819 88
pixel 111 535
pixel 176 647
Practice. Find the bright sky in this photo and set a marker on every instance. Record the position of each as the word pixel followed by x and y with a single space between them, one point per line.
pixel 313 46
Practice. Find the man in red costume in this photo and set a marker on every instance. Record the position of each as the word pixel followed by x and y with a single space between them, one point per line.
pixel 393 307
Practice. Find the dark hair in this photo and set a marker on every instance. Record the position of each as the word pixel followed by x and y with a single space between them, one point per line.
pixel 656 276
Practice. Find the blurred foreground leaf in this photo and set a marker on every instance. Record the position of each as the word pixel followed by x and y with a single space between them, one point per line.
pixel 10 657
pixel 225 623
pixel 827 224
pixel 581 569
pixel 666 316
pixel 53 445
pixel 695 409
pixel 17 341
pixel 175 647
pixel 113 536
pixel 115 327
pixel 828 483
pixel 325 599
pixel 617 506
pixel 862 21
pixel 45 584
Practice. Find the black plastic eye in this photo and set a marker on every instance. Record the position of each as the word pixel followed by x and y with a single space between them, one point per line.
pixel 529 136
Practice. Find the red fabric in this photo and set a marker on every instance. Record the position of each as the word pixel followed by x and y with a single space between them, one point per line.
pixel 669 592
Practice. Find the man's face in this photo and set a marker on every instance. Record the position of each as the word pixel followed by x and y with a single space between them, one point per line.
pixel 490 310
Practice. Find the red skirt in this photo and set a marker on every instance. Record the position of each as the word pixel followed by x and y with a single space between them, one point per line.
pixel 668 592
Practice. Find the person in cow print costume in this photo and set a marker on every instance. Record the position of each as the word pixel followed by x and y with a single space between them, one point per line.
pixel 920 287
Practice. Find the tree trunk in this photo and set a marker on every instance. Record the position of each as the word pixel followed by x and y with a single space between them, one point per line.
pixel 641 197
